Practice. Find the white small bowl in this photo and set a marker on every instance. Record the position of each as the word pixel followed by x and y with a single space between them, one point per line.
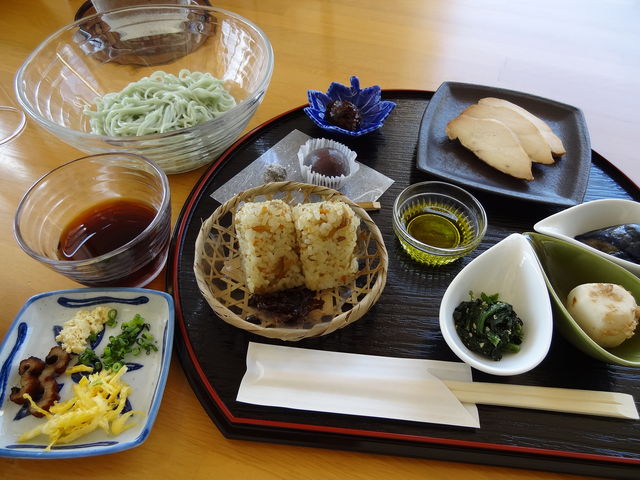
pixel 589 216
pixel 511 269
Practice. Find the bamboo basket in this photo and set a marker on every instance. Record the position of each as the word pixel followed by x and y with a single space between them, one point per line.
pixel 218 270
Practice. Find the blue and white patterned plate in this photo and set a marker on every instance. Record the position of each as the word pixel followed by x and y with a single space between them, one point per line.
pixel 33 333
pixel 374 111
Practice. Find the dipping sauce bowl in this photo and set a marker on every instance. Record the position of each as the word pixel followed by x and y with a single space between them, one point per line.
pixel 437 222
pixel 102 220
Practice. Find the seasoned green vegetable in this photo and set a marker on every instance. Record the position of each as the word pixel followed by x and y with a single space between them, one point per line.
pixel 89 358
pixel 133 339
pixel 488 326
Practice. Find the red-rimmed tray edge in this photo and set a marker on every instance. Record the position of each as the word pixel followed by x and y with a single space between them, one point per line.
pixel 172 280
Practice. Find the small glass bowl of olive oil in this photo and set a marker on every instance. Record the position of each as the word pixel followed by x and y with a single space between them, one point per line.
pixel 437 222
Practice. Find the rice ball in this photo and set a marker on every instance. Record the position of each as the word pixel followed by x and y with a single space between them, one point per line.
pixel 605 311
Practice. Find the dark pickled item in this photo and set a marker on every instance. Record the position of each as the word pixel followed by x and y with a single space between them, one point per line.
pixel 344 114
pixel 488 326
pixel 289 305
pixel 103 228
pixel 435 230
pixel 38 380
pixel 328 161
pixel 620 241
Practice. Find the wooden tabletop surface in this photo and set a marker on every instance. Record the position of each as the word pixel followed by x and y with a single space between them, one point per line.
pixel 584 53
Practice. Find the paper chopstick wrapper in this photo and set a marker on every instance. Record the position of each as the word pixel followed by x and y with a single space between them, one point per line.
pixel 352 384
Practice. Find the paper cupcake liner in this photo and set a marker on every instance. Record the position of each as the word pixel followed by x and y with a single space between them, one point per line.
pixel 324 180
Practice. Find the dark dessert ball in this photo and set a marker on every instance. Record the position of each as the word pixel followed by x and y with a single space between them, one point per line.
pixel 328 162
pixel 344 114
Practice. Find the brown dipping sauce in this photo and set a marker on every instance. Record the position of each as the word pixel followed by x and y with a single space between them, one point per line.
pixel 329 162
pixel 103 228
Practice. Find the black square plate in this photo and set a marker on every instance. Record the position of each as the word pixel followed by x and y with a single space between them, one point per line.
pixel 563 183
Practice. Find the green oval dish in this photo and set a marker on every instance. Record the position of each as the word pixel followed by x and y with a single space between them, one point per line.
pixel 566 266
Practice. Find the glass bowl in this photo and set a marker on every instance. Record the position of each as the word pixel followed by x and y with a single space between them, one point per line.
pixel 103 53
pixel 77 218
pixel 437 222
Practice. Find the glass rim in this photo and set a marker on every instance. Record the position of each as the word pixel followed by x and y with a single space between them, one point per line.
pixel 19 128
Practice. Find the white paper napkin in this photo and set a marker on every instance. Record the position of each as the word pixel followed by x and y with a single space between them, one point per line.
pixel 367 385
pixel 366 185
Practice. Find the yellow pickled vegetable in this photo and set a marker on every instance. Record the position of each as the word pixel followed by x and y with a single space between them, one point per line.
pixel 97 402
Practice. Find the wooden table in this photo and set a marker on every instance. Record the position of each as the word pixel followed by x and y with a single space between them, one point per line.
pixel 584 53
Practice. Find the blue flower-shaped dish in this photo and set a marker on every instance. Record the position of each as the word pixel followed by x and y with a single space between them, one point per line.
pixel 373 110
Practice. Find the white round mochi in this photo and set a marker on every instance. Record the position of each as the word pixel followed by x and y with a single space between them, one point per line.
pixel 605 311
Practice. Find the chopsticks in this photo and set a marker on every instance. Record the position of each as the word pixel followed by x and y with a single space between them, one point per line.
pixel 588 402
pixel 369 205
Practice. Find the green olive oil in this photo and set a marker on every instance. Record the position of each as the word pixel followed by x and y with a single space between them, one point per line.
pixel 438 225
pixel 435 230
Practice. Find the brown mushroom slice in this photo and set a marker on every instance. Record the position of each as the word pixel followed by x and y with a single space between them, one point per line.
pixel 57 359
pixel 29 370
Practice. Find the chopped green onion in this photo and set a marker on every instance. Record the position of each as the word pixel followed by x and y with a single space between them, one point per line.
pixel 132 339
pixel 112 314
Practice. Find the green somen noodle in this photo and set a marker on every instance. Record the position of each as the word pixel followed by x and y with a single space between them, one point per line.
pixel 160 103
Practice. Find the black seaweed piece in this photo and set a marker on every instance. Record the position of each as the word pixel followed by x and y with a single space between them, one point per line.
pixel 621 241
pixel 290 305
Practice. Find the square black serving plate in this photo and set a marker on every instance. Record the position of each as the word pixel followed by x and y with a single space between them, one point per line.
pixel 564 183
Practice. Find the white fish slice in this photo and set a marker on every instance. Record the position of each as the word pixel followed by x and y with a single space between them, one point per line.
pixel 530 137
pixel 554 141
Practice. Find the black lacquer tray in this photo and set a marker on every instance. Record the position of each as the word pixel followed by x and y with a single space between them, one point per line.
pixel 404 323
